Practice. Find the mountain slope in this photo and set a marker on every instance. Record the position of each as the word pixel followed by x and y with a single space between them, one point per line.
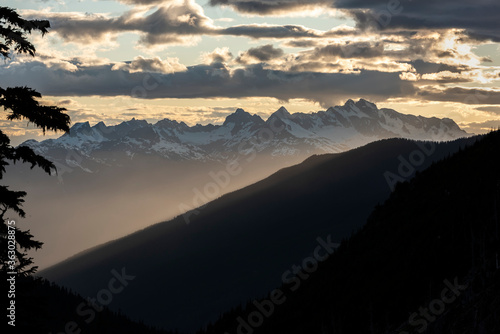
pixel 426 261
pixel 238 246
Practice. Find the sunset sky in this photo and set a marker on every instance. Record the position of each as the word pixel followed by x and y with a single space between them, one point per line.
pixel 199 60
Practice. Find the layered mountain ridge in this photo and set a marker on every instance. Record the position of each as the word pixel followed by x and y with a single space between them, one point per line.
pixel 241 243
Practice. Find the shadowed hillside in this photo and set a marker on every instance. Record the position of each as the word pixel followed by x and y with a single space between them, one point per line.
pixel 426 261
pixel 238 246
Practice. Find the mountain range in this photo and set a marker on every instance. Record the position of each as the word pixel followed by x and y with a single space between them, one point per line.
pixel 336 129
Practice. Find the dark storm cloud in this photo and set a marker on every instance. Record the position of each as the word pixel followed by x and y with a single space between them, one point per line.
pixel 267 7
pixel 479 18
pixel 208 81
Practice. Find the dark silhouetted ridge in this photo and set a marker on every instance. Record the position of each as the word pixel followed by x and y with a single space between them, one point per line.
pixel 238 246
pixel 438 231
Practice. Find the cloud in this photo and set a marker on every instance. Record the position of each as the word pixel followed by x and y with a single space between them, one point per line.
pixel 470 75
pixel 61 103
pixel 262 53
pixel 81 28
pixel 478 18
pixel 270 31
pixel 481 127
pixel 304 43
pixel 462 95
pixel 142 2
pixel 349 50
pixel 141 64
pixel 271 7
pixel 172 22
pixel 426 67
pixel 219 55
pixel 133 114
pixel 420 53
pixel 490 109
pixel 208 81
pixel 353 56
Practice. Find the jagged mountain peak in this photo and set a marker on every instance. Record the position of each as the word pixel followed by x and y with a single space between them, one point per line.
pixel 100 125
pixel 281 113
pixel 359 106
pixel 79 127
pixel 240 116
pixel 349 102
pixel 362 103
pixel 352 106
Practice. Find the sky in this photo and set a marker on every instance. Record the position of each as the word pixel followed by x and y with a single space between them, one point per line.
pixel 198 60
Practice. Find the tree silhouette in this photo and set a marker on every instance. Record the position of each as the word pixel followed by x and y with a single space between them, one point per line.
pixel 21 103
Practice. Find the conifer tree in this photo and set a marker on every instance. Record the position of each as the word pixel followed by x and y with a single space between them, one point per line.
pixel 22 103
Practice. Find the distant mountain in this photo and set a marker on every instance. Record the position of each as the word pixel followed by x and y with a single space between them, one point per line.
pixel 427 261
pixel 192 268
pixel 337 129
